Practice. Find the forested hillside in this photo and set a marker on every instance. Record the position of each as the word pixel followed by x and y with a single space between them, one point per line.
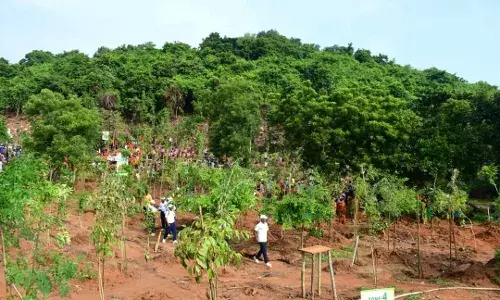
pixel 338 106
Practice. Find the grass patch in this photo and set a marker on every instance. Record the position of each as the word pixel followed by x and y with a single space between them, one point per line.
pixel 402 277
pixel 441 282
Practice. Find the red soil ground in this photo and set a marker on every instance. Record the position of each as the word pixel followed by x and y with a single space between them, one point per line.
pixel 164 278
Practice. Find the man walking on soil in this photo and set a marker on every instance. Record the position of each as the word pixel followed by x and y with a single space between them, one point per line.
pixel 171 227
pixel 260 233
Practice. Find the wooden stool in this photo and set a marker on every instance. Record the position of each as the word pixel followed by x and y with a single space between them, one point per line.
pixel 316 252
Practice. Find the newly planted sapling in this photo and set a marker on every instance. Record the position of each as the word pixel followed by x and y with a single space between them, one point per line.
pixel 490 174
pixel 204 248
pixel 109 218
pixel 450 203
pixel 303 210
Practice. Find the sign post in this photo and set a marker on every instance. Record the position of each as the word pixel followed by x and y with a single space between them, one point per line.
pixel 378 294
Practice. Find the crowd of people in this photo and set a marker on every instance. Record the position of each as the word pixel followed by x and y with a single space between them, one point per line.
pixel 8 153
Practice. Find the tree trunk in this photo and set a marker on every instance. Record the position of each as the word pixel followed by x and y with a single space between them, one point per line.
pixel 374 267
pixel 100 267
pixel 124 248
pixel 420 273
pixel 389 236
pixel 330 228
pixel 449 223
pixel 394 236
pixel 212 289
pixel 454 240
pixel 302 237
pixel 355 216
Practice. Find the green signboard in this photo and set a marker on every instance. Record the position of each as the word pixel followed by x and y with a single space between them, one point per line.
pixel 378 294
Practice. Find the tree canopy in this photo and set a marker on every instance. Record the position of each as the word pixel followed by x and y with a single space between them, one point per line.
pixel 337 105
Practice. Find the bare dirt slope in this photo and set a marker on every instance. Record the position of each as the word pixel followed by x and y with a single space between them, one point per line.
pixel 164 278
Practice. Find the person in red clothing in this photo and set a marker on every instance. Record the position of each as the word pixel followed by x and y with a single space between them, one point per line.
pixel 341 208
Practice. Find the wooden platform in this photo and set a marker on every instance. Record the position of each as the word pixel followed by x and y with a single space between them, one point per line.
pixel 315 249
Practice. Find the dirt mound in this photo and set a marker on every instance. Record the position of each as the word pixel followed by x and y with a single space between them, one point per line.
pixel 343 267
pixel 80 239
pixel 470 272
pixel 491 234
pixel 153 296
pixel 165 255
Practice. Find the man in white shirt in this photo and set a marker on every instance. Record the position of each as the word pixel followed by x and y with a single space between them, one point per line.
pixel 163 211
pixel 171 227
pixel 260 233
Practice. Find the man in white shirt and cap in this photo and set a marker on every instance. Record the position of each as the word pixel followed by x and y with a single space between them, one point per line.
pixel 171 226
pixel 260 233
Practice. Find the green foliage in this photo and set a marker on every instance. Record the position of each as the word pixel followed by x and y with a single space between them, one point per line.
pixel 229 190
pixel 304 210
pixel 62 128
pixel 490 174
pixel 110 201
pixel 31 206
pixel 454 200
pixel 338 106
pixel 204 246
pixel 233 111
pixel 4 134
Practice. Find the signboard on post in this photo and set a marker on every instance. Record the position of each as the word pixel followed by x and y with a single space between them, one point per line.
pixel 105 135
pixel 378 294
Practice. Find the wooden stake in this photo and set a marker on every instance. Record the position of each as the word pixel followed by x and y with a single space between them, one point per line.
pixel 373 266
pixel 312 276
pixel 17 291
pixel 319 274
pixel 489 214
pixel 158 241
pixel 420 273
pixel 303 275
pixel 354 255
pixel 332 276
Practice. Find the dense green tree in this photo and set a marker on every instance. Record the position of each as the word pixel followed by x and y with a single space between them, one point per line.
pixel 62 128
pixel 233 111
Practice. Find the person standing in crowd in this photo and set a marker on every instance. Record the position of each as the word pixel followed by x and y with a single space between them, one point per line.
pixel 260 233
pixel 163 211
pixel 171 227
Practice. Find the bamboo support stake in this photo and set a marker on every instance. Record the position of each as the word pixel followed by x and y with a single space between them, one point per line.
pixel 355 254
pixel 158 240
pixel 332 276
pixel 17 291
pixel 319 274
pixel 374 267
pixel 312 276
pixel 303 275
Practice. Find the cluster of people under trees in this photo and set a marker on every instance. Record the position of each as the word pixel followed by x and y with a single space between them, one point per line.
pixel 114 155
pixel 8 153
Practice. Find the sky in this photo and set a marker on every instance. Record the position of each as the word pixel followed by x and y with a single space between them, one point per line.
pixel 459 36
